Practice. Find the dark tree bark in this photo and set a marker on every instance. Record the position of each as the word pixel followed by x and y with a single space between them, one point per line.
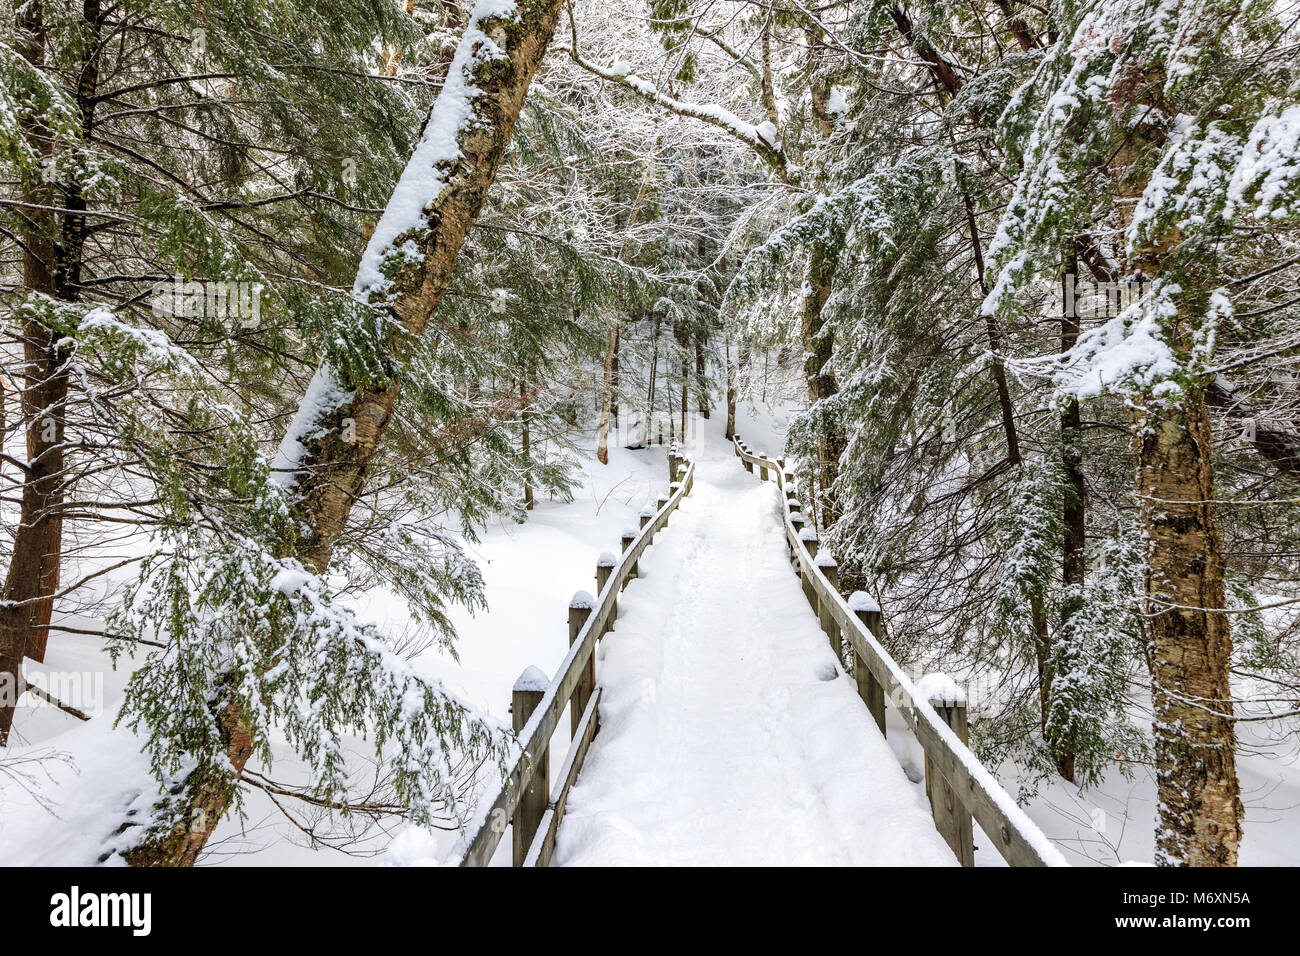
pixel 1075 507
pixel 52 256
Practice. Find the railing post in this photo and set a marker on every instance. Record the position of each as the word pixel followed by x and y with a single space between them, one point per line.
pixel 672 463
pixel 797 521
pixel 626 541
pixel 873 695
pixel 659 506
pixel 580 608
pixel 828 566
pixel 809 538
pixel 762 471
pixel 527 694
pixel 604 568
pixel 951 818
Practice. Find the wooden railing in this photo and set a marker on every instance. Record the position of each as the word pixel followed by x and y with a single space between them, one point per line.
pixel 523 802
pixel 959 786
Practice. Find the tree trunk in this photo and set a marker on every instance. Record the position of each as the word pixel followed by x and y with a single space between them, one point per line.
pixel 613 378
pixel 329 475
pixel 607 394
pixel 1190 645
pixel 703 395
pixel 818 348
pixel 525 442
pixel 51 269
pixel 731 391
pixel 1075 507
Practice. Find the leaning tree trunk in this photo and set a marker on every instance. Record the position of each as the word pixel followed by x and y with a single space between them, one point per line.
pixel 328 476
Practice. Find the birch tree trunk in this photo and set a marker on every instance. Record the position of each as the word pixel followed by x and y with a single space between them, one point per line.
pixel 329 472
pixel 1190 646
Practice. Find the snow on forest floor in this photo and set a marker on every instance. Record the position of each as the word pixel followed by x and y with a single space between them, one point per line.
pixel 728 735
pixel 65 785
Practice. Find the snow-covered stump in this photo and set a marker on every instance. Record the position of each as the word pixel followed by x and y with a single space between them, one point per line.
pixel 626 540
pixel 528 692
pixel 951 818
pixel 809 539
pixel 580 608
pixel 605 565
pixel 869 689
pixel 829 567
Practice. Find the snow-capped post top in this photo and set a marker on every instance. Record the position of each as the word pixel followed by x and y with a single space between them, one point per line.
pixel 663 500
pixel 674 487
pixel 533 679
pixel 606 560
pixel 941 690
pixel 647 512
pixel 630 532
pixel 807 535
pixel 797 517
pixel 826 560
pixel 582 599
pixel 860 602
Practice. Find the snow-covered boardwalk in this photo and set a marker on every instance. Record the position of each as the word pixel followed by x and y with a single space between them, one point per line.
pixel 727 734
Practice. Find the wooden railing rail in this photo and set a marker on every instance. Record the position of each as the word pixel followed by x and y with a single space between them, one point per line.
pixel 959 786
pixel 523 802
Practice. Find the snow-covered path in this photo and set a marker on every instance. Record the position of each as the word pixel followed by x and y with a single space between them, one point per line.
pixel 728 736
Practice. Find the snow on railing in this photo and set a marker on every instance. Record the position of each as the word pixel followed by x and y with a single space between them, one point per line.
pixel 959 786
pixel 522 802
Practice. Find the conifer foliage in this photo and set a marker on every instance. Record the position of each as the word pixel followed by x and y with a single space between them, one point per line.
pixel 297 296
